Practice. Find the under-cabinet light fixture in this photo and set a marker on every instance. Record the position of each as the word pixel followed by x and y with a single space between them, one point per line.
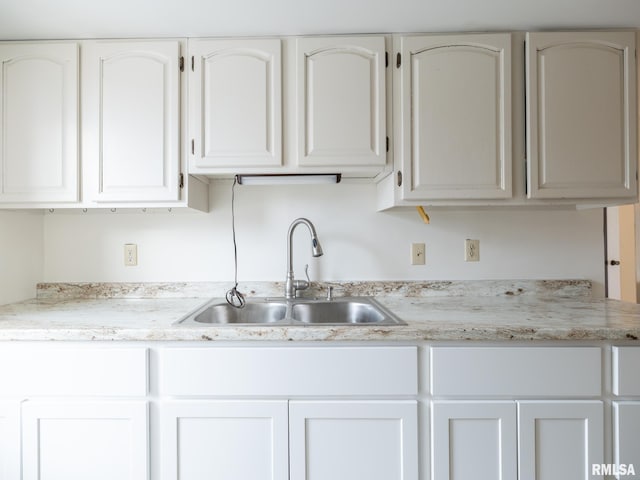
pixel 289 178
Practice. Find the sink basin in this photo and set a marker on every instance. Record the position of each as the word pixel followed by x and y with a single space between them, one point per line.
pixel 337 312
pixel 222 313
pixel 265 311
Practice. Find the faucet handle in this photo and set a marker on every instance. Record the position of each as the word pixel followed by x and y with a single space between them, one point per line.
pixel 302 284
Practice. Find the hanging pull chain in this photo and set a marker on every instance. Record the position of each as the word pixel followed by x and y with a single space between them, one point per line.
pixel 234 297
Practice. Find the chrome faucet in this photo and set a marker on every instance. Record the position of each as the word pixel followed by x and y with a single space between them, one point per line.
pixel 291 286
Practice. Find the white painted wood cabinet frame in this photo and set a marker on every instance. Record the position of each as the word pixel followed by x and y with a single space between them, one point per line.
pixel 581 115
pixel 39 123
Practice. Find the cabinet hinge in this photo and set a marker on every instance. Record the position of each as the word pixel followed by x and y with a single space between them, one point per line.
pixel 193 63
pixel 387 143
pixel 193 147
pixel 181 181
pixel 182 64
pixel 398 60
pixel 386 59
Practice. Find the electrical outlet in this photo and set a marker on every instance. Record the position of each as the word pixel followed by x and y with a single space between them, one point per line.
pixel 130 254
pixel 417 254
pixel 471 250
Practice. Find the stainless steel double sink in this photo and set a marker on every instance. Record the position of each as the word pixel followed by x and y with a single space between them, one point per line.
pixel 298 311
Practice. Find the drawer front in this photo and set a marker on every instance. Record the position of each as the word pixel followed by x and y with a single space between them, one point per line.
pixel 626 377
pixel 231 371
pixel 514 371
pixel 34 370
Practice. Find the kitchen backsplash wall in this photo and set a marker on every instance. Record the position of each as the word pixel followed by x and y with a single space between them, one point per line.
pixel 359 243
pixel 21 255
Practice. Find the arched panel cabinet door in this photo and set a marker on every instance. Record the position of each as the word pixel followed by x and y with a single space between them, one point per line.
pixel 38 122
pixel 340 104
pixel 452 96
pixel 581 115
pixel 235 116
pixel 131 120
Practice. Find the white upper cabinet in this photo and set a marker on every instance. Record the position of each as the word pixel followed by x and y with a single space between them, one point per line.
pixel 452 100
pixel 235 104
pixel 581 115
pixel 38 122
pixel 340 101
pixel 131 120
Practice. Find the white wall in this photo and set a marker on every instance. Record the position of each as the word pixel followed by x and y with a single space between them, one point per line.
pixel 21 255
pixel 359 243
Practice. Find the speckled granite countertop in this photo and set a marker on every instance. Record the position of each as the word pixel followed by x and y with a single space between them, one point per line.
pixel 472 310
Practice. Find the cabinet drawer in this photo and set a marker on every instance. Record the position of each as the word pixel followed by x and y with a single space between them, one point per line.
pixel 526 371
pixel 289 371
pixel 32 370
pixel 626 379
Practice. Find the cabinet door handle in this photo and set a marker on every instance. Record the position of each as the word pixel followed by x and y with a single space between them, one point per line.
pixel 613 263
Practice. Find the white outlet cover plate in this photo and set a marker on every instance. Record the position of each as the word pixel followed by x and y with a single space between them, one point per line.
pixel 471 250
pixel 418 254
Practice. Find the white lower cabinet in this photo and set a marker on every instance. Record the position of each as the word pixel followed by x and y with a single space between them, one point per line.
pixel 626 411
pixel 78 440
pixel 473 440
pixel 525 413
pixel 280 413
pixel 295 440
pixel 73 411
pixel 554 440
pixel 334 412
pixel 347 440
pixel 9 440
pixel 211 439
pixel 626 435
pixel 560 440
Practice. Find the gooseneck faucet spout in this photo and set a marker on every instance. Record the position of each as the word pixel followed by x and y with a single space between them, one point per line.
pixel 291 285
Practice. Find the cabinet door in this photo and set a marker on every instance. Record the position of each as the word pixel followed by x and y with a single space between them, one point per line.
pixel 472 440
pixel 347 440
pixel 454 99
pixel 9 440
pixel 224 440
pixel 559 440
pixel 81 440
pixel 626 430
pixel 581 115
pixel 235 110
pixel 131 120
pixel 38 122
pixel 341 113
